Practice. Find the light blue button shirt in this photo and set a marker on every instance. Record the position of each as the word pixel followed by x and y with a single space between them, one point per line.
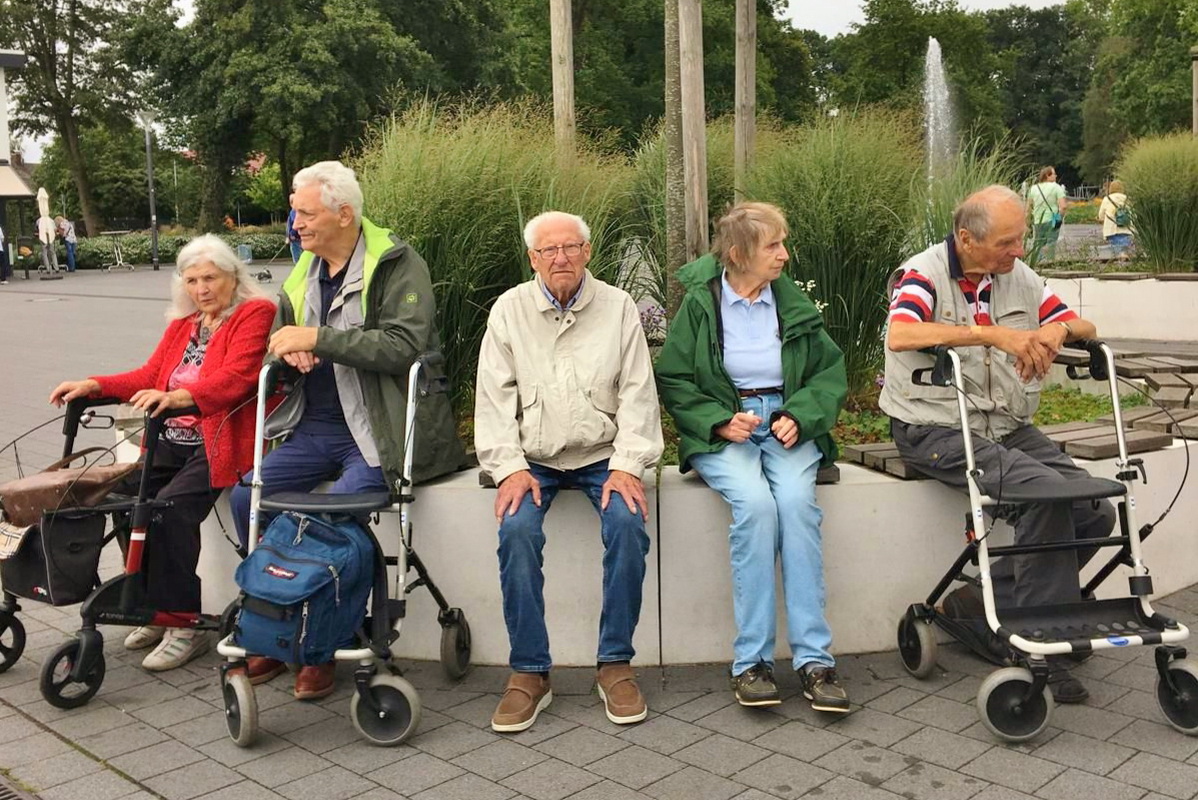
pixel 752 343
pixel 570 303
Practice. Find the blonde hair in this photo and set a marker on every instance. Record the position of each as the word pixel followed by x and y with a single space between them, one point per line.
pixel 1115 187
pixel 212 249
pixel 745 227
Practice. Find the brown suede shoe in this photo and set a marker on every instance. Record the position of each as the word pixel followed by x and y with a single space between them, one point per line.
pixel 313 683
pixel 622 698
pixel 261 669
pixel 526 695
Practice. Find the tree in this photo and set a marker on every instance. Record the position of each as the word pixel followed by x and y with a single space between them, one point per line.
pixel 72 76
pixel 1141 81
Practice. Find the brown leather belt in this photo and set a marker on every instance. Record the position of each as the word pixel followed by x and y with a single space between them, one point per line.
pixel 759 392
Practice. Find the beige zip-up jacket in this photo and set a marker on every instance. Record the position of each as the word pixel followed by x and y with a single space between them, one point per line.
pixel 565 389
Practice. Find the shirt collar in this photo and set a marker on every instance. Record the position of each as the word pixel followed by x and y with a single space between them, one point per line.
pixel 553 300
pixel 731 298
pixel 954 261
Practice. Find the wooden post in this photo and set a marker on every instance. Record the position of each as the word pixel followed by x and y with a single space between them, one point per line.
pixel 675 196
pixel 746 92
pixel 1194 96
pixel 561 28
pixel 694 124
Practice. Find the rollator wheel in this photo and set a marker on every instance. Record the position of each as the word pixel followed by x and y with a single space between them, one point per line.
pixel 241 709
pixel 916 645
pixel 55 681
pixel 1181 709
pixel 1003 710
pixel 455 646
pixel 400 704
pixel 12 640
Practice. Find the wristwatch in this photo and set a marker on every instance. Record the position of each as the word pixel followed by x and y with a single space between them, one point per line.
pixel 1068 330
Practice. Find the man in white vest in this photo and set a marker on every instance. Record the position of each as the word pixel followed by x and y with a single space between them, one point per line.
pixel 973 292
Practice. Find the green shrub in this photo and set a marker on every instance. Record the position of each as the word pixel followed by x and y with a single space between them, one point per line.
pixel 458 183
pixel 1161 176
pixel 94 252
pixel 845 186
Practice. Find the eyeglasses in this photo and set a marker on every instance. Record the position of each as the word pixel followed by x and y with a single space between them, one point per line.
pixel 572 250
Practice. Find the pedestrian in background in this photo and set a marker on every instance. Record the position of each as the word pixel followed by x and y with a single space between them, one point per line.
pixel 66 229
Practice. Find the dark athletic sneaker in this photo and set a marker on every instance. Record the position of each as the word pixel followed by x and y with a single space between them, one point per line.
pixel 823 689
pixel 1064 687
pixel 755 687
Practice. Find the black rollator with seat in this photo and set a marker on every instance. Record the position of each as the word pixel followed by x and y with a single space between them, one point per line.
pixel 1014 702
pixel 74 671
pixel 385 708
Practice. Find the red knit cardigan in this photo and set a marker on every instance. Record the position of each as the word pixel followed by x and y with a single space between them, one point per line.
pixel 228 379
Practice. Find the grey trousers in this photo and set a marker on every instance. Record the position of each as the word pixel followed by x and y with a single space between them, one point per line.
pixel 1024 456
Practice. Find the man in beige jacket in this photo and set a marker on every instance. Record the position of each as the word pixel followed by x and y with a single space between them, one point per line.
pixel 566 398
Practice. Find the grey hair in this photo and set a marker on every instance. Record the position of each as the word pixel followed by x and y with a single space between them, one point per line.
pixel 212 249
pixel 974 213
pixel 530 230
pixel 338 186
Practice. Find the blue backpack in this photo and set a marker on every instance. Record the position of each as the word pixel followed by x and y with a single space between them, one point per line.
pixel 304 588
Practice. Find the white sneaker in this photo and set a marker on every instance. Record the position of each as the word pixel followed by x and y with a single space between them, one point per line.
pixel 143 637
pixel 178 646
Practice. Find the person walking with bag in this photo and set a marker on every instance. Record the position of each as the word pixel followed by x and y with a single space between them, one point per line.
pixel 1046 204
pixel 1115 216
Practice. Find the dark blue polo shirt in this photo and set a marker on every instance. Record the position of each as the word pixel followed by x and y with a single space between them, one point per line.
pixel 322 403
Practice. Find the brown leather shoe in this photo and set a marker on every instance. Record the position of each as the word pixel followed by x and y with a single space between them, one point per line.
pixel 261 669
pixel 313 683
pixel 622 698
pixel 526 695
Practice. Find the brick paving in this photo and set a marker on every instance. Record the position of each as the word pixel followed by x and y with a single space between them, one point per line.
pixel 162 735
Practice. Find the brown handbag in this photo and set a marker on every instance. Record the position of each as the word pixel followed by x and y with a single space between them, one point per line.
pixel 25 499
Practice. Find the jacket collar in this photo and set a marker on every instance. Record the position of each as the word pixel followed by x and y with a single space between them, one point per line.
pixel 796 313
pixel 585 294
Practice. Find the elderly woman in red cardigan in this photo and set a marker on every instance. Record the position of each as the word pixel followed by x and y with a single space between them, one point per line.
pixel 209 357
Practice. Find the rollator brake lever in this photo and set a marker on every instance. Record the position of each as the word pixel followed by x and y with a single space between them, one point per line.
pixel 1137 465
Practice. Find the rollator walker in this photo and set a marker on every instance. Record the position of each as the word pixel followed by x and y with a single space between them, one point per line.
pixel 385 708
pixel 1014 702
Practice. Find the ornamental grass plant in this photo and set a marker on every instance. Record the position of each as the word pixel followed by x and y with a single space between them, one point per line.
pixel 459 182
pixel 844 185
pixel 1161 177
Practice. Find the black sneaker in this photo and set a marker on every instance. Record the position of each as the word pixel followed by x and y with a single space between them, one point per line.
pixel 755 686
pixel 1064 687
pixel 823 689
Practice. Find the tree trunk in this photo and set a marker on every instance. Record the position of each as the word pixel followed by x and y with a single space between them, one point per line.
pixel 694 124
pixel 746 92
pixel 675 195
pixel 68 129
pixel 562 57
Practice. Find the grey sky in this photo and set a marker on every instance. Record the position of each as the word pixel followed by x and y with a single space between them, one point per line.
pixel 831 17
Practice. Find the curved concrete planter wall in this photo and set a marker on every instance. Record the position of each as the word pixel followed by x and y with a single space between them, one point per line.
pixel 1134 305
pixel 886 543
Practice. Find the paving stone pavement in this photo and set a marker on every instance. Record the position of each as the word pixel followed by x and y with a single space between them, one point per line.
pixel 162 735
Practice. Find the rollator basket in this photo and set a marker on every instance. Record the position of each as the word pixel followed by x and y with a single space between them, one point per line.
pixel 56 560
pixel 304 588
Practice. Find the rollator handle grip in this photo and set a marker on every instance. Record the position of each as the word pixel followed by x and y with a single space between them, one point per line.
pixel 1097 366
pixel 940 373
pixel 431 384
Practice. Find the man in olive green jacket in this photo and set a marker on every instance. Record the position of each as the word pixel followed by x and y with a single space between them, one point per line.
pixel 353 315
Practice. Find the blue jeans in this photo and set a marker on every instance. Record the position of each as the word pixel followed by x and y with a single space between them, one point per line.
pixel 297 250
pixel 300 464
pixel 1119 242
pixel 774 514
pixel 70 256
pixel 521 540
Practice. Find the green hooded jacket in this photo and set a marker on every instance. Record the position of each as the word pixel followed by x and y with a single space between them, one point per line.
pixel 696 388
pixel 399 323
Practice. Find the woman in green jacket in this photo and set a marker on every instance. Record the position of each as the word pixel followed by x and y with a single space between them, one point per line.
pixel 754 384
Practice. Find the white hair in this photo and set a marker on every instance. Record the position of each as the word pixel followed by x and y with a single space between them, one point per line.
pixel 530 230
pixel 211 249
pixel 338 186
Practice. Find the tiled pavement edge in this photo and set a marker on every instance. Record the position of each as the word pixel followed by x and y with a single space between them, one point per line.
pixel 162 735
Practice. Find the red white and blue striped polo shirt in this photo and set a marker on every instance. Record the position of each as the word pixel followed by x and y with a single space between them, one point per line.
pixel 914 296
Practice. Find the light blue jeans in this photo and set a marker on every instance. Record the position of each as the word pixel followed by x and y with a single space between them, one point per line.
pixel 774 514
